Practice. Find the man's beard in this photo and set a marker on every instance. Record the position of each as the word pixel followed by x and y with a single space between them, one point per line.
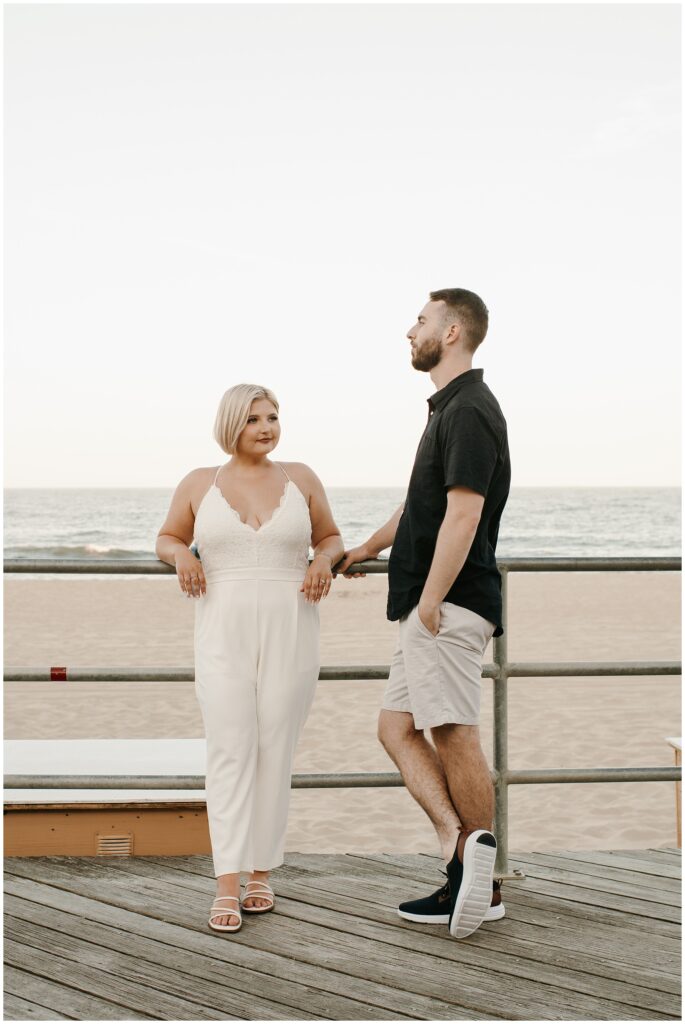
pixel 428 356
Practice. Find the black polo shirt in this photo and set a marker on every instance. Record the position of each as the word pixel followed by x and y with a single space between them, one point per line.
pixel 464 445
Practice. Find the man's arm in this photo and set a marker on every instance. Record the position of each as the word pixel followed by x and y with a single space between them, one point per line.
pixel 371 548
pixel 455 537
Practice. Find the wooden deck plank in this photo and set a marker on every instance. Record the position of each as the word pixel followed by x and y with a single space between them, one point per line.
pixel 587 874
pixel 402 935
pixel 263 961
pixel 318 946
pixel 513 945
pixel 549 883
pixel 667 855
pixel 66 999
pixel 661 889
pixel 299 869
pixel 16 1008
pixel 545 868
pixel 335 935
pixel 356 901
pixel 658 887
pixel 130 996
pixel 248 983
pixel 514 959
pixel 570 888
pixel 544 924
pixel 112 965
pixel 639 868
pixel 536 892
pixel 357 956
pixel 545 914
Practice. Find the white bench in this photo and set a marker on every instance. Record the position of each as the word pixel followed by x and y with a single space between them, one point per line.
pixel 87 822
pixel 104 757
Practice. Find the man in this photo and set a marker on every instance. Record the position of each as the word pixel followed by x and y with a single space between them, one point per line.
pixel 445 589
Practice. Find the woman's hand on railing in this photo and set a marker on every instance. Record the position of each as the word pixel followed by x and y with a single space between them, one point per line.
pixel 191 577
pixel 318 579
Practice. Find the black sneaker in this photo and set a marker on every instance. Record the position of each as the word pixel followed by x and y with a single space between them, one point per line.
pixel 435 909
pixel 471 882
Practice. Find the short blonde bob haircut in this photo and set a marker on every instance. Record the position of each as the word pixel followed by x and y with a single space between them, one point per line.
pixel 233 412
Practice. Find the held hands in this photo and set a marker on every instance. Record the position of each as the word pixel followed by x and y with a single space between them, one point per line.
pixel 430 616
pixel 191 578
pixel 360 554
pixel 318 579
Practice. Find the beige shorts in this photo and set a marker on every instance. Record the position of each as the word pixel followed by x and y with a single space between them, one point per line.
pixel 437 678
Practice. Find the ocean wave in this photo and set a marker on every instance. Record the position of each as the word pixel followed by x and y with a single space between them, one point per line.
pixel 76 551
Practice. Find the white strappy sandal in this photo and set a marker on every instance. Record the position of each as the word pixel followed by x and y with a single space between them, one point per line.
pixel 262 891
pixel 218 911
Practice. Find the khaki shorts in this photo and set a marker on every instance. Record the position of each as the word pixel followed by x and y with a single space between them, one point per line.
pixel 437 678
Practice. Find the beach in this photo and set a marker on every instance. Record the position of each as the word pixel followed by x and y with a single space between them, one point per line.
pixel 586 722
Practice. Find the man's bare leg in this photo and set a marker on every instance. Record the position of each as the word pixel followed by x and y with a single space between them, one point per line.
pixel 467 774
pixel 422 772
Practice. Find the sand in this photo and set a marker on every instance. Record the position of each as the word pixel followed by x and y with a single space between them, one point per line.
pixel 120 621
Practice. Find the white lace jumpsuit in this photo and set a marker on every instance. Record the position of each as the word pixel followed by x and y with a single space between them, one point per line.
pixel 256 667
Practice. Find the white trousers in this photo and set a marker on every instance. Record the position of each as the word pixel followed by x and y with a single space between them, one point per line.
pixel 256 668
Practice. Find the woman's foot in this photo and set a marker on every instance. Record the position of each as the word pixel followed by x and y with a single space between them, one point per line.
pixel 228 885
pixel 257 901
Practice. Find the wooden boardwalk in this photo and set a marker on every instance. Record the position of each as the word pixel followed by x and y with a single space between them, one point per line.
pixel 590 936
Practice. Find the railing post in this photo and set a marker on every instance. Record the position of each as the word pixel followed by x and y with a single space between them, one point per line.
pixel 500 739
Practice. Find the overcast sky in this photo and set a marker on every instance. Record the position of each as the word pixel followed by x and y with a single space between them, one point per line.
pixel 198 196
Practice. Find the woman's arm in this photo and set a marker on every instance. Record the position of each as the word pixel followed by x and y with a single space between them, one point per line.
pixel 176 535
pixel 326 540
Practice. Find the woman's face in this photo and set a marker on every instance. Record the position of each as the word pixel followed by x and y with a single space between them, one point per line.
pixel 262 430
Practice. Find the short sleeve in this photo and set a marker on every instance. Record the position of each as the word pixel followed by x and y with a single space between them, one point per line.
pixel 470 450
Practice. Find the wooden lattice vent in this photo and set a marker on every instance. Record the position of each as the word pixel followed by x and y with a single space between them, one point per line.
pixel 114 844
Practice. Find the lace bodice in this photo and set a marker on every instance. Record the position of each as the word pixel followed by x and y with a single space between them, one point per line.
pixel 225 542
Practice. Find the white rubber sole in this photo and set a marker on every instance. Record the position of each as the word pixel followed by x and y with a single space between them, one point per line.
pixel 475 892
pixel 492 914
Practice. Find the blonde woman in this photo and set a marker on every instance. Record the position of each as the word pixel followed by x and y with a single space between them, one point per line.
pixel 256 633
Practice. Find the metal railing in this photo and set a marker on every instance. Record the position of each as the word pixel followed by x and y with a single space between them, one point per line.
pixel 501 670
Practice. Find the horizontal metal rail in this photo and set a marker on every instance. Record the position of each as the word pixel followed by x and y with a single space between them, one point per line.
pixel 533 669
pixel 520 669
pixel 166 675
pixel 501 671
pixel 536 776
pixel 339 780
pixel 153 567
pixel 319 780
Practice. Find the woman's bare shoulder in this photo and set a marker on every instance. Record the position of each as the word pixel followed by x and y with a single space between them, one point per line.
pixel 198 476
pixel 194 485
pixel 300 472
pixel 299 467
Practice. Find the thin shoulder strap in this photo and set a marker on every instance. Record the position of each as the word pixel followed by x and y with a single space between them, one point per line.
pixel 217 474
pixel 281 467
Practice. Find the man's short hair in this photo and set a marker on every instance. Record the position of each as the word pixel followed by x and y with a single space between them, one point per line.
pixel 469 309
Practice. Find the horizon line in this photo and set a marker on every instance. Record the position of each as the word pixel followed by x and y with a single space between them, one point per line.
pixel 333 487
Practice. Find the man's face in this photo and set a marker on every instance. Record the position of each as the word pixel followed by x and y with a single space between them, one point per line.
pixel 426 337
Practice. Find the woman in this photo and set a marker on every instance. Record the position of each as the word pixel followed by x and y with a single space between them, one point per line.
pixel 256 633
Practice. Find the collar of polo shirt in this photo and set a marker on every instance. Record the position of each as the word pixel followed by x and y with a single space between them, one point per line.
pixel 444 394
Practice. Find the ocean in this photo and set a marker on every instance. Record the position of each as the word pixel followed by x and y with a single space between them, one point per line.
pixel 537 522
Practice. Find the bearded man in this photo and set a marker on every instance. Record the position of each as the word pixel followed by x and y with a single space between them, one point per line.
pixel 444 587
